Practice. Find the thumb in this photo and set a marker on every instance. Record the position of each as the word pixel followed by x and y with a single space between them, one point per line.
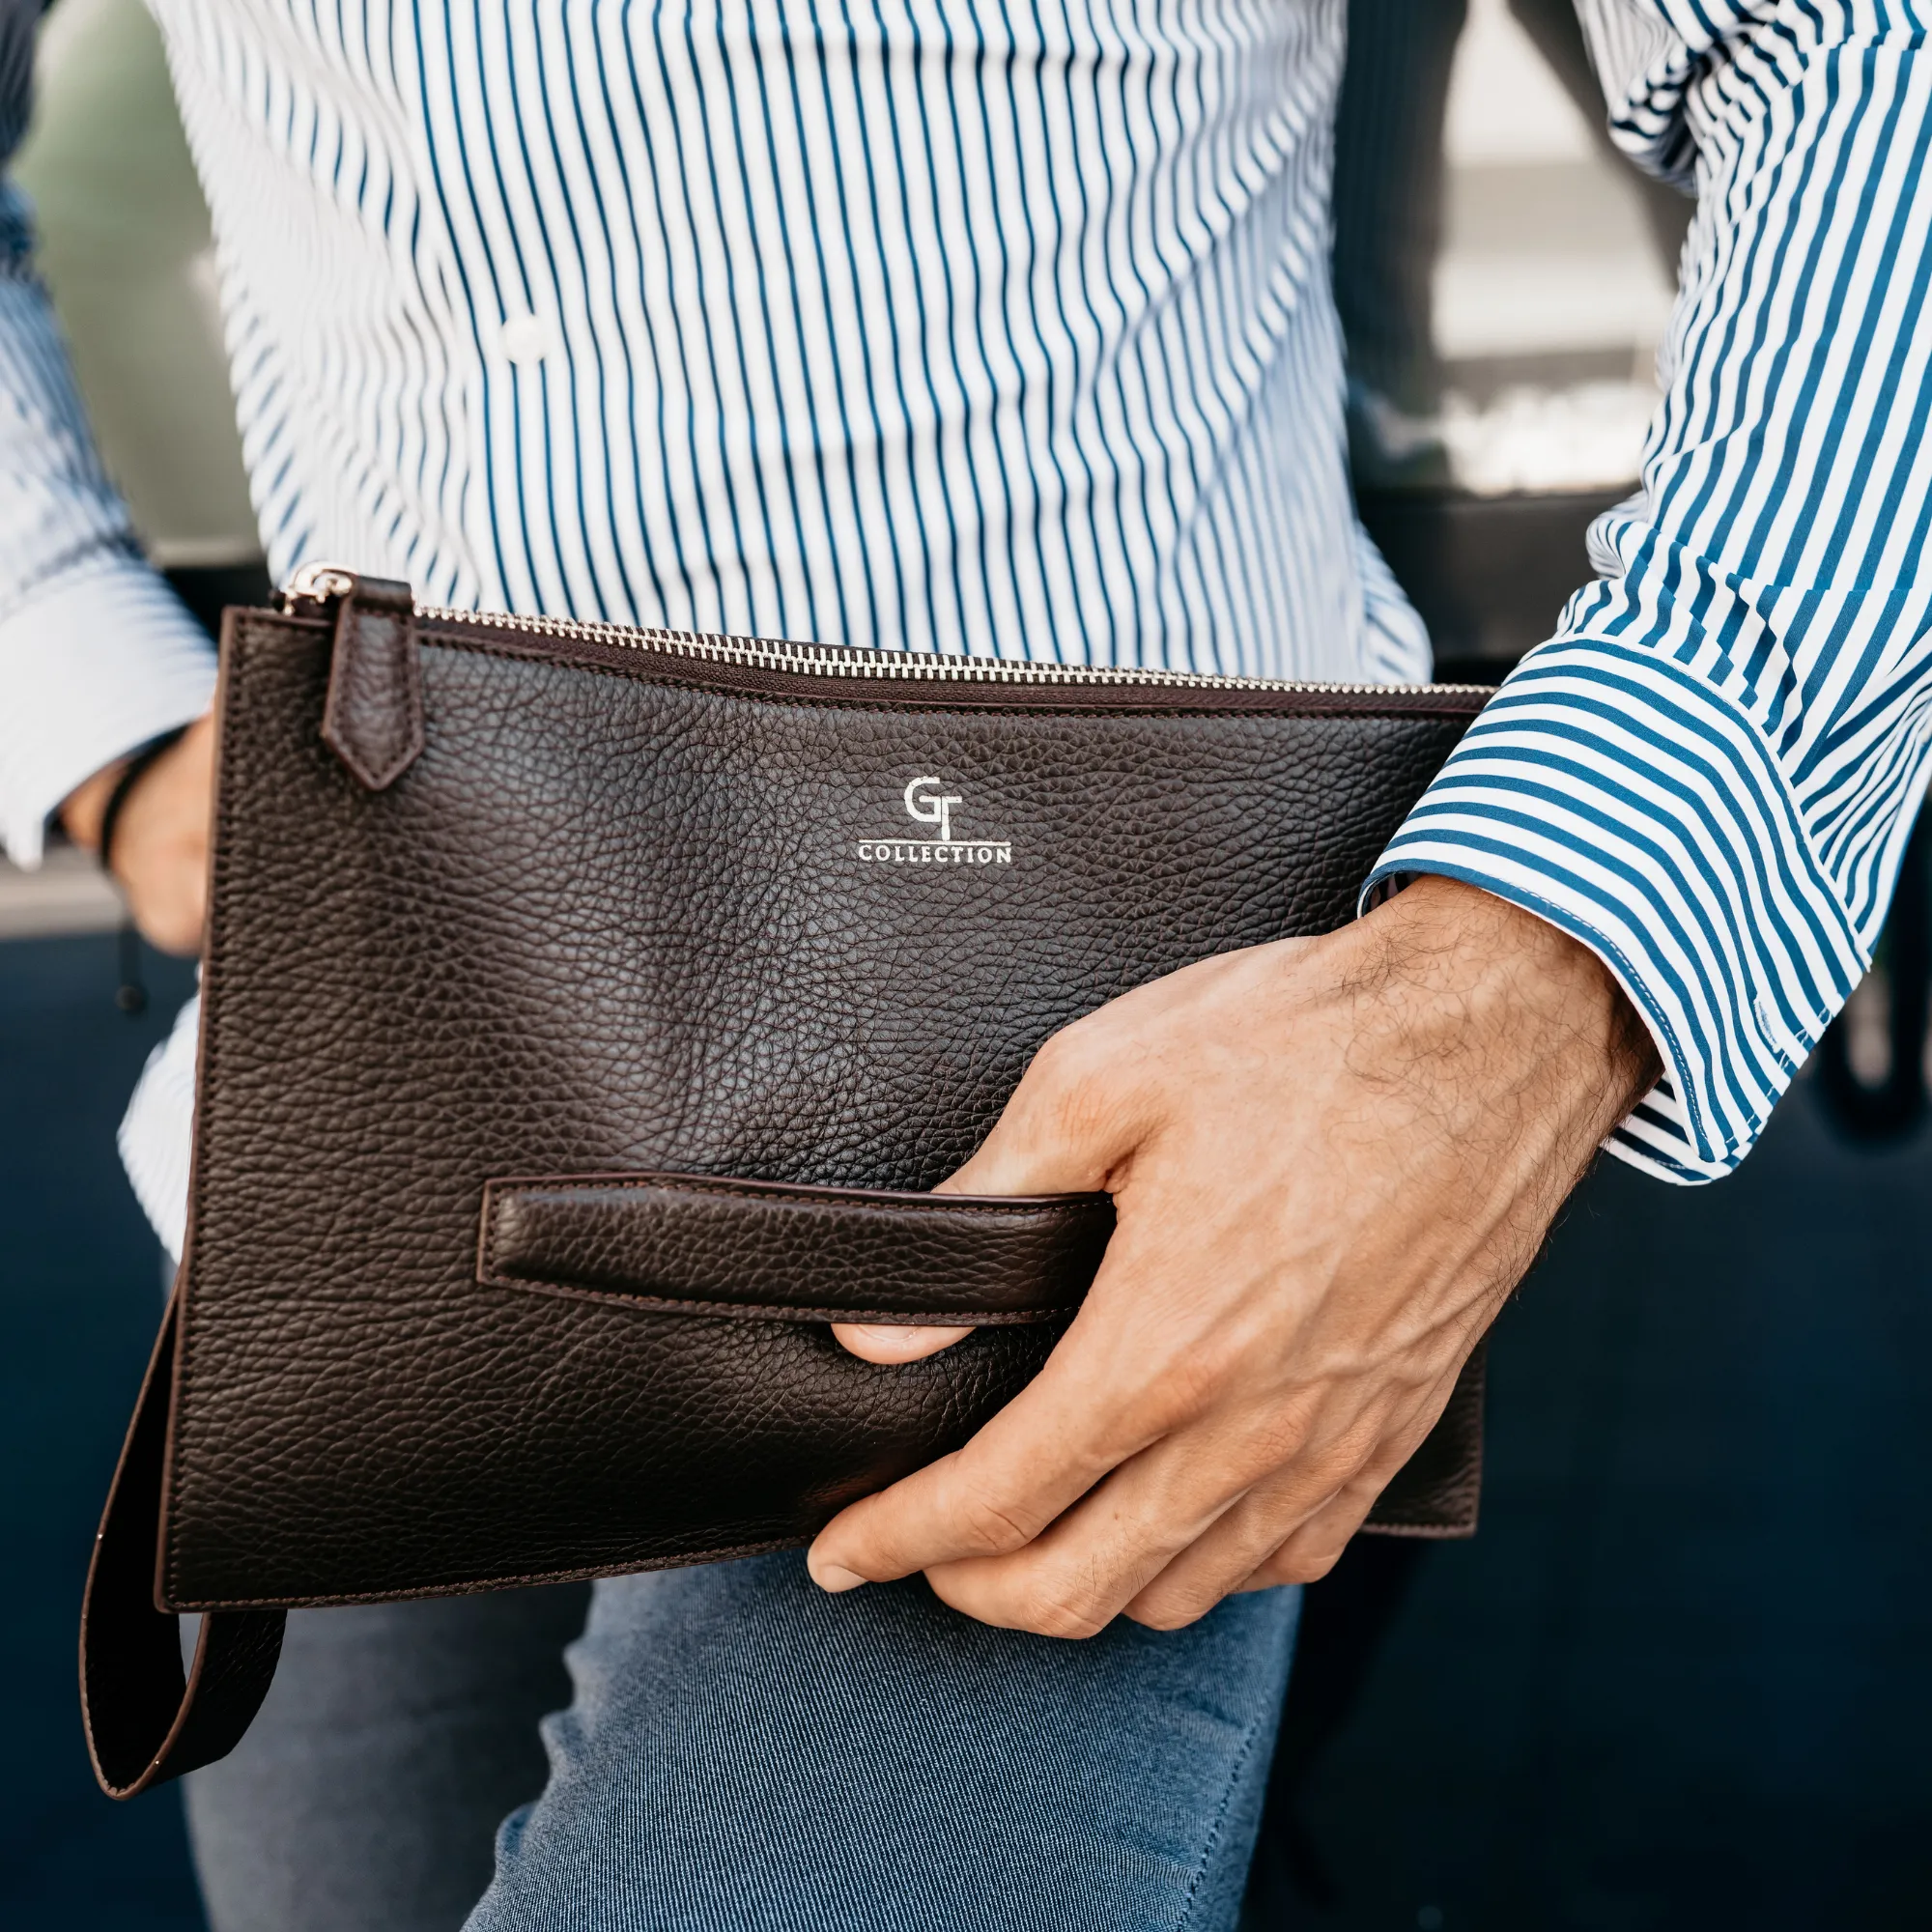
pixel 1059 1134
pixel 1069 1126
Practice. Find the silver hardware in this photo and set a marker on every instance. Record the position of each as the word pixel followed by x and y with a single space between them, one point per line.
pixel 855 660
pixel 317 583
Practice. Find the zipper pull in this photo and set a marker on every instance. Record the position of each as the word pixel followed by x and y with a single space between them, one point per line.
pixel 314 589
pixel 373 717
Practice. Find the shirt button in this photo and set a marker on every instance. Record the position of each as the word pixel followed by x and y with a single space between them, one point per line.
pixel 525 338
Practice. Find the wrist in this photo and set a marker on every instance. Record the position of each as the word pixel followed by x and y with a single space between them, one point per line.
pixel 81 811
pixel 1468 969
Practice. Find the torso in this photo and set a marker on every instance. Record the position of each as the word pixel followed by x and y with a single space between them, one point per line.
pixel 989 328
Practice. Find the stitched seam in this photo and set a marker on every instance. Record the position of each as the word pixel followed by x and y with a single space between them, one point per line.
pixel 208 1050
pixel 827 1198
pixel 618 1297
pixel 486 1236
pixel 723 1554
pixel 1220 1825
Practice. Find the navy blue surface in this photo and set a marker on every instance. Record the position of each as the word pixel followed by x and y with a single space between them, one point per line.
pixel 80 1297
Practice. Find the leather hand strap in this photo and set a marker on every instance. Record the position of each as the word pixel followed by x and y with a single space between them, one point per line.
pixel 681 1244
pixel 773 1252
pixel 147 1720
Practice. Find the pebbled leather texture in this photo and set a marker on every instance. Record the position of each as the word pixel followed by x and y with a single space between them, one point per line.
pixel 373 718
pixel 765 1252
pixel 614 919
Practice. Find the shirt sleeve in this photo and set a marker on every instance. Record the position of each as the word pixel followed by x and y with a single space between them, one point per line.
pixel 1708 773
pixel 97 655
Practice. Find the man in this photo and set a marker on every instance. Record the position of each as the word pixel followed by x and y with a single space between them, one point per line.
pixel 966 328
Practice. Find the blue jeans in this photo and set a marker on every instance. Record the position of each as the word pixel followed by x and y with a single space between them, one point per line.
pixel 745 1753
pixel 394 1739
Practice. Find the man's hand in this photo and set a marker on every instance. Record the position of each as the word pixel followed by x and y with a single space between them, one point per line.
pixel 1331 1160
pixel 160 843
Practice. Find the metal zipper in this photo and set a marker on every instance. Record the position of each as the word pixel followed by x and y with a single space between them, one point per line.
pixel 315 586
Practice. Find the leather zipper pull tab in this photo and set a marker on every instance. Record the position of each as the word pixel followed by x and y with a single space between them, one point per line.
pixel 373 720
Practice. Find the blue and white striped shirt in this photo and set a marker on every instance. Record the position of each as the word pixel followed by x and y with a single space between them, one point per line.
pixel 1004 326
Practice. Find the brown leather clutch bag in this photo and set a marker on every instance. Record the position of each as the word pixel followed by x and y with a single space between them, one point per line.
pixel 587 1014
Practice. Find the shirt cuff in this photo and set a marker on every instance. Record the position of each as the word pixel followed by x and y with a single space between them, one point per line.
pixel 94 662
pixel 1625 799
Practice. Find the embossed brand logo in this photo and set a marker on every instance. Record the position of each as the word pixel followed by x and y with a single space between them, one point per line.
pixel 928 801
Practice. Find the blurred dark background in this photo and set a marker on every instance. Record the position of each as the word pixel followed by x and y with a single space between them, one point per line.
pixel 80 1297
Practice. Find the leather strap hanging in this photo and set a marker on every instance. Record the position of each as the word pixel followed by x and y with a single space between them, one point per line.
pixel 147 1720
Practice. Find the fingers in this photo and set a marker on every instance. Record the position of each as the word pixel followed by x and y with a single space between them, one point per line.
pixel 1174 1529
pixel 895 1342
pixel 1078 1575
pixel 1248 1536
pixel 998 1541
pixel 1078 1419
pixel 1316 1546
pixel 1163 1539
pixel 1123 1453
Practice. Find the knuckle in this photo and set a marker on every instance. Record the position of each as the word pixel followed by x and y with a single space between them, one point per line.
pixel 989 1524
pixel 1059 1596
pixel 1184 1388
pixel 1074 1076
pixel 1058 1064
pixel 1335 1465
pixel 1311 1568
pixel 1282 1437
pixel 1334 1469
pixel 1172 1611
pixel 1300 1565
pixel 1048 1613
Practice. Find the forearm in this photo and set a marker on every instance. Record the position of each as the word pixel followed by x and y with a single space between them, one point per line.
pixel 1709 775
pixel 1498 1014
